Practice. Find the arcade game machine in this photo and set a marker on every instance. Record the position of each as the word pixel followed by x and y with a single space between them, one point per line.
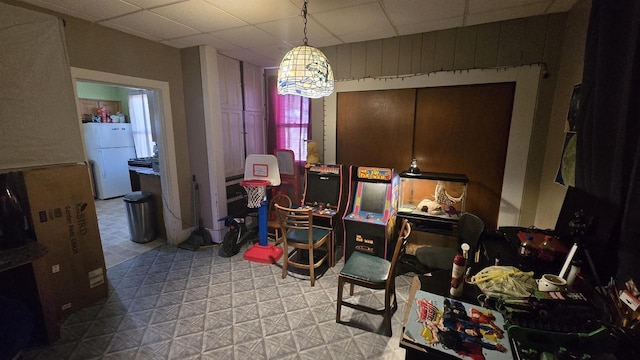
pixel 323 193
pixel 371 211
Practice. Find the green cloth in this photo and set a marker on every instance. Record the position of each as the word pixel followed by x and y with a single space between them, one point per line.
pixel 302 236
pixel 366 267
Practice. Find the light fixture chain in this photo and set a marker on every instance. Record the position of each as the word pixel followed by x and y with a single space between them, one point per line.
pixel 304 17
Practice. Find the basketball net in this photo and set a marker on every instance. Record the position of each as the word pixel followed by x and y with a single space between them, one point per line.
pixel 256 192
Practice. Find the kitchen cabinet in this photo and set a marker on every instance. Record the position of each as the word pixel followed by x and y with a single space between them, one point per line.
pixel 233 143
pixel 252 86
pixel 254 132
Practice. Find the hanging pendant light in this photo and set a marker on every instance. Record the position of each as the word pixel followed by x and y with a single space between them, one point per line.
pixel 305 70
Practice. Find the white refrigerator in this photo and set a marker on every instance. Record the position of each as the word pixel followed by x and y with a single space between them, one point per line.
pixel 109 146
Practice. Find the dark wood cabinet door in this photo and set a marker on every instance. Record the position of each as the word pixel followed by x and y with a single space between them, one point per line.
pixel 465 130
pixel 375 128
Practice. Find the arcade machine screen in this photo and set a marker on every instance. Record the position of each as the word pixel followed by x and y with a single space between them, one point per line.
pixel 322 189
pixel 374 197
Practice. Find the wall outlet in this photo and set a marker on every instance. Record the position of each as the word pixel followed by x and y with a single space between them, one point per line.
pixel 55 268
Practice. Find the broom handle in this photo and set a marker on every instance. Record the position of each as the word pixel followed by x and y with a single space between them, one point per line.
pixel 196 221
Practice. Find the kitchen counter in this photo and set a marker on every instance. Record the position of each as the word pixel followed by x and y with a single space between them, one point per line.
pixel 143 170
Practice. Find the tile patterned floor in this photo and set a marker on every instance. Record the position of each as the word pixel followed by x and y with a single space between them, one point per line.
pixel 170 303
pixel 114 232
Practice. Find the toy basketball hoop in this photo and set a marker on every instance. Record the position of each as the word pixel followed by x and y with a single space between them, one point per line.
pixel 261 171
pixel 256 192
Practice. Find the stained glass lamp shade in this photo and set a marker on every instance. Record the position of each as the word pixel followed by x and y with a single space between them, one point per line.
pixel 305 71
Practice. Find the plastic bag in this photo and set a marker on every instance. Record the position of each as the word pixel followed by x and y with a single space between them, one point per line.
pixel 505 281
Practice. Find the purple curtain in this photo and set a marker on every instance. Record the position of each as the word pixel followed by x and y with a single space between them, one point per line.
pixel 289 125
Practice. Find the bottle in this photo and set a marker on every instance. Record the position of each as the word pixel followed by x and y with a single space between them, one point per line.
pixel 457 275
pixel 576 265
pixel 547 250
pixel 526 254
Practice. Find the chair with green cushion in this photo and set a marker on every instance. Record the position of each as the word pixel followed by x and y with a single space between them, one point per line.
pixel 299 233
pixel 374 273
pixel 273 223
pixel 469 229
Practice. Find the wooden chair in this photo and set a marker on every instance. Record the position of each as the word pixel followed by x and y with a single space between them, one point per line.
pixel 273 224
pixel 374 273
pixel 299 233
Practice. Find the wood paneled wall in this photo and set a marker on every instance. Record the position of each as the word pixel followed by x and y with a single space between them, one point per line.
pixel 515 42
pixel 506 43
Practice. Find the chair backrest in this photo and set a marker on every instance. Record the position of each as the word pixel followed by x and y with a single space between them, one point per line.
pixel 299 219
pixel 280 199
pixel 470 228
pixel 401 244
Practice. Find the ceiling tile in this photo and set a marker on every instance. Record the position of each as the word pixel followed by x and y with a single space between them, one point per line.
pixel 250 57
pixel 320 42
pixel 147 4
pixel 506 14
pixel 561 5
pixel 62 10
pixel 174 44
pixel 257 11
pixel 481 6
pixel 356 19
pixel 317 6
pixel 199 15
pixel 403 12
pixel 431 25
pixel 246 37
pixel 147 22
pixel 272 52
pixel 204 39
pixel 292 29
pixel 368 35
pixel 92 10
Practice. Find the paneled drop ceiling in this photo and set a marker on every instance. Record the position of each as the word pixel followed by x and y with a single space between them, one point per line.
pixel 261 31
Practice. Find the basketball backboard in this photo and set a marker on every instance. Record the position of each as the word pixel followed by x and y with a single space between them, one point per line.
pixel 262 167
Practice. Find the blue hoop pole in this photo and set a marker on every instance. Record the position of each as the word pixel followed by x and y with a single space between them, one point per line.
pixel 262 224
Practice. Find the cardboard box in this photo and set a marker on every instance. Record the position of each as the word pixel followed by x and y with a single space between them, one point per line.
pixel 62 217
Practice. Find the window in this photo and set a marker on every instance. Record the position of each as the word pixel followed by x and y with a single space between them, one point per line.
pixel 141 124
pixel 288 122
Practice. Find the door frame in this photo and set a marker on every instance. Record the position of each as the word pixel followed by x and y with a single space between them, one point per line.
pixel 527 79
pixel 165 139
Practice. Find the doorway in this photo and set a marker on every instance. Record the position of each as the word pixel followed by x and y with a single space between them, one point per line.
pixel 118 104
pixel 161 121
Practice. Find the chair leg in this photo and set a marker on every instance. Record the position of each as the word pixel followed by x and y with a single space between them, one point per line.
pixel 387 313
pixel 351 289
pixel 285 260
pixel 312 267
pixel 340 289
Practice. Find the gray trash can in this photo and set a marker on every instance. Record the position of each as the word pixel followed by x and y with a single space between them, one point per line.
pixel 139 206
